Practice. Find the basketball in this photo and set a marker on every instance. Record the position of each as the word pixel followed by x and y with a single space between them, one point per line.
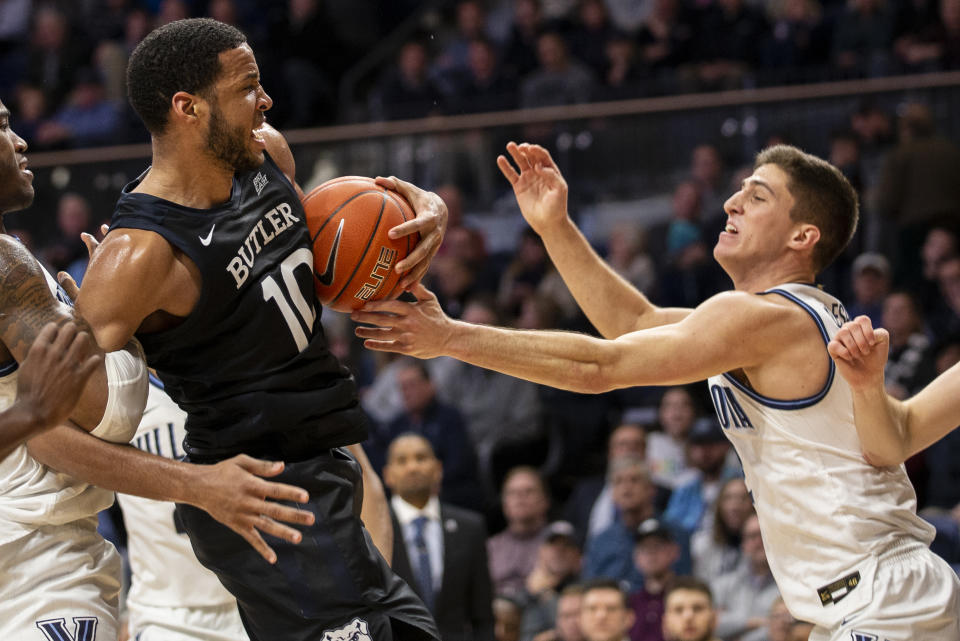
pixel 353 256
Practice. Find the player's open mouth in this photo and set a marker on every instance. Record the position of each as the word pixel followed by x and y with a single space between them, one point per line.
pixel 23 167
pixel 730 229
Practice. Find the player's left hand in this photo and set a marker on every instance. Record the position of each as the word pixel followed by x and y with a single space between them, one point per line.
pixel 430 222
pixel 860 352
pixel 419 329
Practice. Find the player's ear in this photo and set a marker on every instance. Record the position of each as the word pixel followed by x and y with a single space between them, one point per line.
pixel 805 236
pixel 187 107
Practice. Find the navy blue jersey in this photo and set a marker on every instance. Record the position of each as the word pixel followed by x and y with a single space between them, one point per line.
pixel 250 365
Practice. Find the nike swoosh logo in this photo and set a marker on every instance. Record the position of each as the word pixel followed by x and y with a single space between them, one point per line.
pixel 206 241
pixel 326 278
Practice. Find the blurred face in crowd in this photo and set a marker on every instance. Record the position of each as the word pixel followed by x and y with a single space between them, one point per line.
pixel 627 440
pixel 676 412
pixel 560 556
pixel 604 615
pixel 506 620
pixel 417 390
pixel 752 544
pixel 654 556
pixel 688 615
pixel 734 504
pixel 939 245
pixel 900 317
pixel 709 457
pixel 686 202
pixel 705 165
pixel 412 471
pixel 870 286
pixel 949 277
pixel 524 500
pixel 568 617
pixel 631 488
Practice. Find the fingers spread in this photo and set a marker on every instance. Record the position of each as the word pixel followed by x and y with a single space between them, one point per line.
pixel 267 525
pixel 507 169
pixel 254 539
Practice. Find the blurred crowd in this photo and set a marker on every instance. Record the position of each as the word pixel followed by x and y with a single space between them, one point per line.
pixel 62 62
pixel 617 515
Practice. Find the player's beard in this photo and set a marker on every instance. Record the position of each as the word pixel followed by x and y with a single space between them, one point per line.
pixel 230 145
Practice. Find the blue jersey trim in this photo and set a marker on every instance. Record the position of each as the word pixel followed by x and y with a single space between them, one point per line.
pixel 801 403
pixel 8 368
pixel 155 380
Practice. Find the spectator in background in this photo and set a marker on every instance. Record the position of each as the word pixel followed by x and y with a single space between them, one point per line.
pixel 709 459
pixel 918 188
pixel 513 552
pixel 946 320
pixel 943 457
pixel 665 38
pixel 627 255
pixel 605 614
pixel 443 427
pixel 863 37
pixel 406 90
pixel 484 85
pixel 654 555
pixel 779 621
pixel 67 251
pixel 917 28
pixel 520 48
pixel 567 626
pixel 875 131
pixel 727 46
pixel 684 222
pixel 499 410
pixel 438 549
pixel 558 565
pixel 87 119
pixel 454 55
pixel 871 284
pixel 525 272
pixel 910 365
pixel 559 79
pixel 609 552
pixel 939 245
pixel 707 173
pixel 947 37
pixel 589 36
pixel 666 449
pixel 507 614
pixel 56 53
pixel 798 40
pixel 715 548
pixel 688 611
pixel 745 595
pixel 590 506
pixel 624 75
pixel 845 153
pixel 30 109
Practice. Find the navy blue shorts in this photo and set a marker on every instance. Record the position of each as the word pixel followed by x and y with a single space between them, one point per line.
pixel 332 585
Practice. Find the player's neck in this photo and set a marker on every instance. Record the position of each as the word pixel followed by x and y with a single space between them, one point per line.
pixel 762 278
pixel 186 178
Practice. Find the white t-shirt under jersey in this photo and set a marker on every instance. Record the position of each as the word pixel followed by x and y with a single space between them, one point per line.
pixel 824 512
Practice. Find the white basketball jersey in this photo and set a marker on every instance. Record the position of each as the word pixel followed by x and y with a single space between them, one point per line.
pixel 166 573
pixel 825 514
pixel 31 494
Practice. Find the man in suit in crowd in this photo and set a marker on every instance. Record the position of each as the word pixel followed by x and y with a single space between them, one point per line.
pixel 439 549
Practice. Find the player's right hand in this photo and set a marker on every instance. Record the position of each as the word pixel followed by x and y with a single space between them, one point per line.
pixel 54 373
pixel 540 188
pixel 860 352
pixel 234 493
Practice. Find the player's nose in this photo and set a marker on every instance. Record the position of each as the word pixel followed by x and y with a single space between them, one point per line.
pixel 265 102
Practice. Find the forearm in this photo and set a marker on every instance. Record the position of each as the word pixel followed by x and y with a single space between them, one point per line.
pixel 881 426
pixel 375 512
pixel 16 426
pixel 121 468
pixel 595 286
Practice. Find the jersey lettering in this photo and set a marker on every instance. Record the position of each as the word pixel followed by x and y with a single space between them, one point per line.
pixel 85 629
pixel 280 219
pixel 729 410
pixel 838 313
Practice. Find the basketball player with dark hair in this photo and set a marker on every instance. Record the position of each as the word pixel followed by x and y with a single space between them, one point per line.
pixel 843 538
pixel 60 578
pixel 208 261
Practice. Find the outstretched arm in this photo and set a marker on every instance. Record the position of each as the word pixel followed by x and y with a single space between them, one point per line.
pixel 711 340
pixel 49 382
pixel 541 194
pixel 891 431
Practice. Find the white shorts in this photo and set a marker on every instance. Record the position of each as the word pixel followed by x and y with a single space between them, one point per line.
pixel 212 623
pixel 59 582
pixel 916 595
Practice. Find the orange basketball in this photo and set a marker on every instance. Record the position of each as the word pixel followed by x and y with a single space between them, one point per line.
pixel 353 257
